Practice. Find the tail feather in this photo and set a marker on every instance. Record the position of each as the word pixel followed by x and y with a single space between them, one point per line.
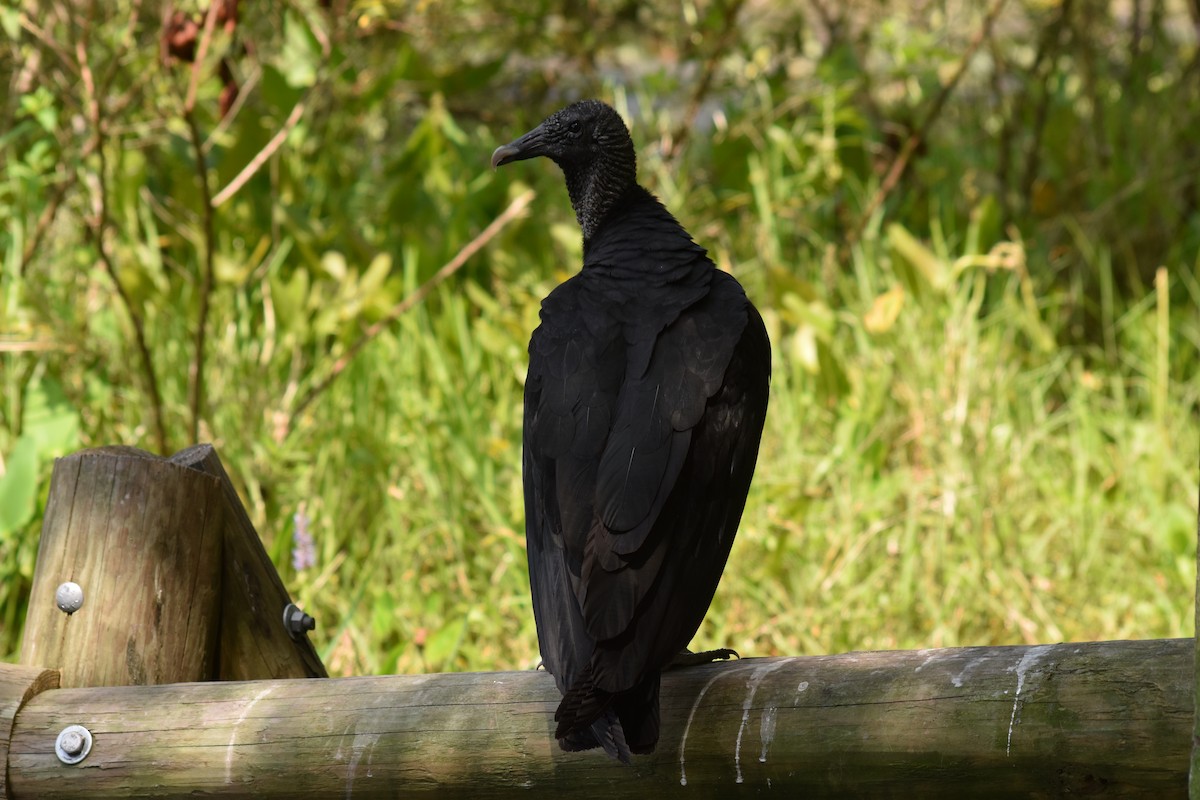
pixel 604 732
pixel 622 723
pixel 581 705
pixel 586 720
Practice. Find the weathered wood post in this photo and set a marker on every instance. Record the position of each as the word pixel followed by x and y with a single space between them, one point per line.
pixel 254 642
pixel 175 583
pixel 148 572
pixel 140 538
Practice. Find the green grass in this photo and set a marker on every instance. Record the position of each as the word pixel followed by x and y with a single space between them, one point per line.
pixel 985 415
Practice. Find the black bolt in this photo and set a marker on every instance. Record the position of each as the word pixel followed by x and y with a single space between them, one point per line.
pixel 296 622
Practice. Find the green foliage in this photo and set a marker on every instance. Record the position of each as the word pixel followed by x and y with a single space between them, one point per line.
pixel 986 390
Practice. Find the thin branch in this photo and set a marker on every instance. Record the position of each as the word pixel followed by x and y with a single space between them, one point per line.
pixel 208 216
pixel 97 228
pixel 313 19
pixel 900 163
pixel 48 41
pixel 210 24
pixel 244 92
pixel 514 210
pixel 261 157
pixel 45 220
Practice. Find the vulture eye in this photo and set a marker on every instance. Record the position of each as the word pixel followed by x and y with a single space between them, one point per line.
pixel 574 127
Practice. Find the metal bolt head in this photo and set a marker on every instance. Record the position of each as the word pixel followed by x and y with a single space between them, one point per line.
pixel 296 622
pixel 69 597
pixel 73 744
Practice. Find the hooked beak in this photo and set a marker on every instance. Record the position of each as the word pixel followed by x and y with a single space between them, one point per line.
pixel 531 145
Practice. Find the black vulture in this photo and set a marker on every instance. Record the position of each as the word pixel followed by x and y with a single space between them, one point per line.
pixel 644 405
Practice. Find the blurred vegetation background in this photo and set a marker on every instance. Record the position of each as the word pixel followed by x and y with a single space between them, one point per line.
pixel 973 230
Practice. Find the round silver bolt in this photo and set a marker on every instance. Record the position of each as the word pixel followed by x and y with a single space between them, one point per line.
pixel 69 597
pixel 296 622
pixel 73 744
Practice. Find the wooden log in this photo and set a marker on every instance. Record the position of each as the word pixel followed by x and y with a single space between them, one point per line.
pixel 254 643
pixel 1107 718
pixel 142 537
pixel 17 686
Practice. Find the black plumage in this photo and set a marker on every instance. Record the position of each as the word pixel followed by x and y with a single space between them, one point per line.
pixel 644 405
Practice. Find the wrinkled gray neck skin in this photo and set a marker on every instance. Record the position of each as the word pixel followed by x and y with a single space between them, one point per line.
pixel 597 185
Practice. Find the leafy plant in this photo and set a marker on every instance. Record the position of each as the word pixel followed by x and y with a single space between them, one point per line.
pixel 973 231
